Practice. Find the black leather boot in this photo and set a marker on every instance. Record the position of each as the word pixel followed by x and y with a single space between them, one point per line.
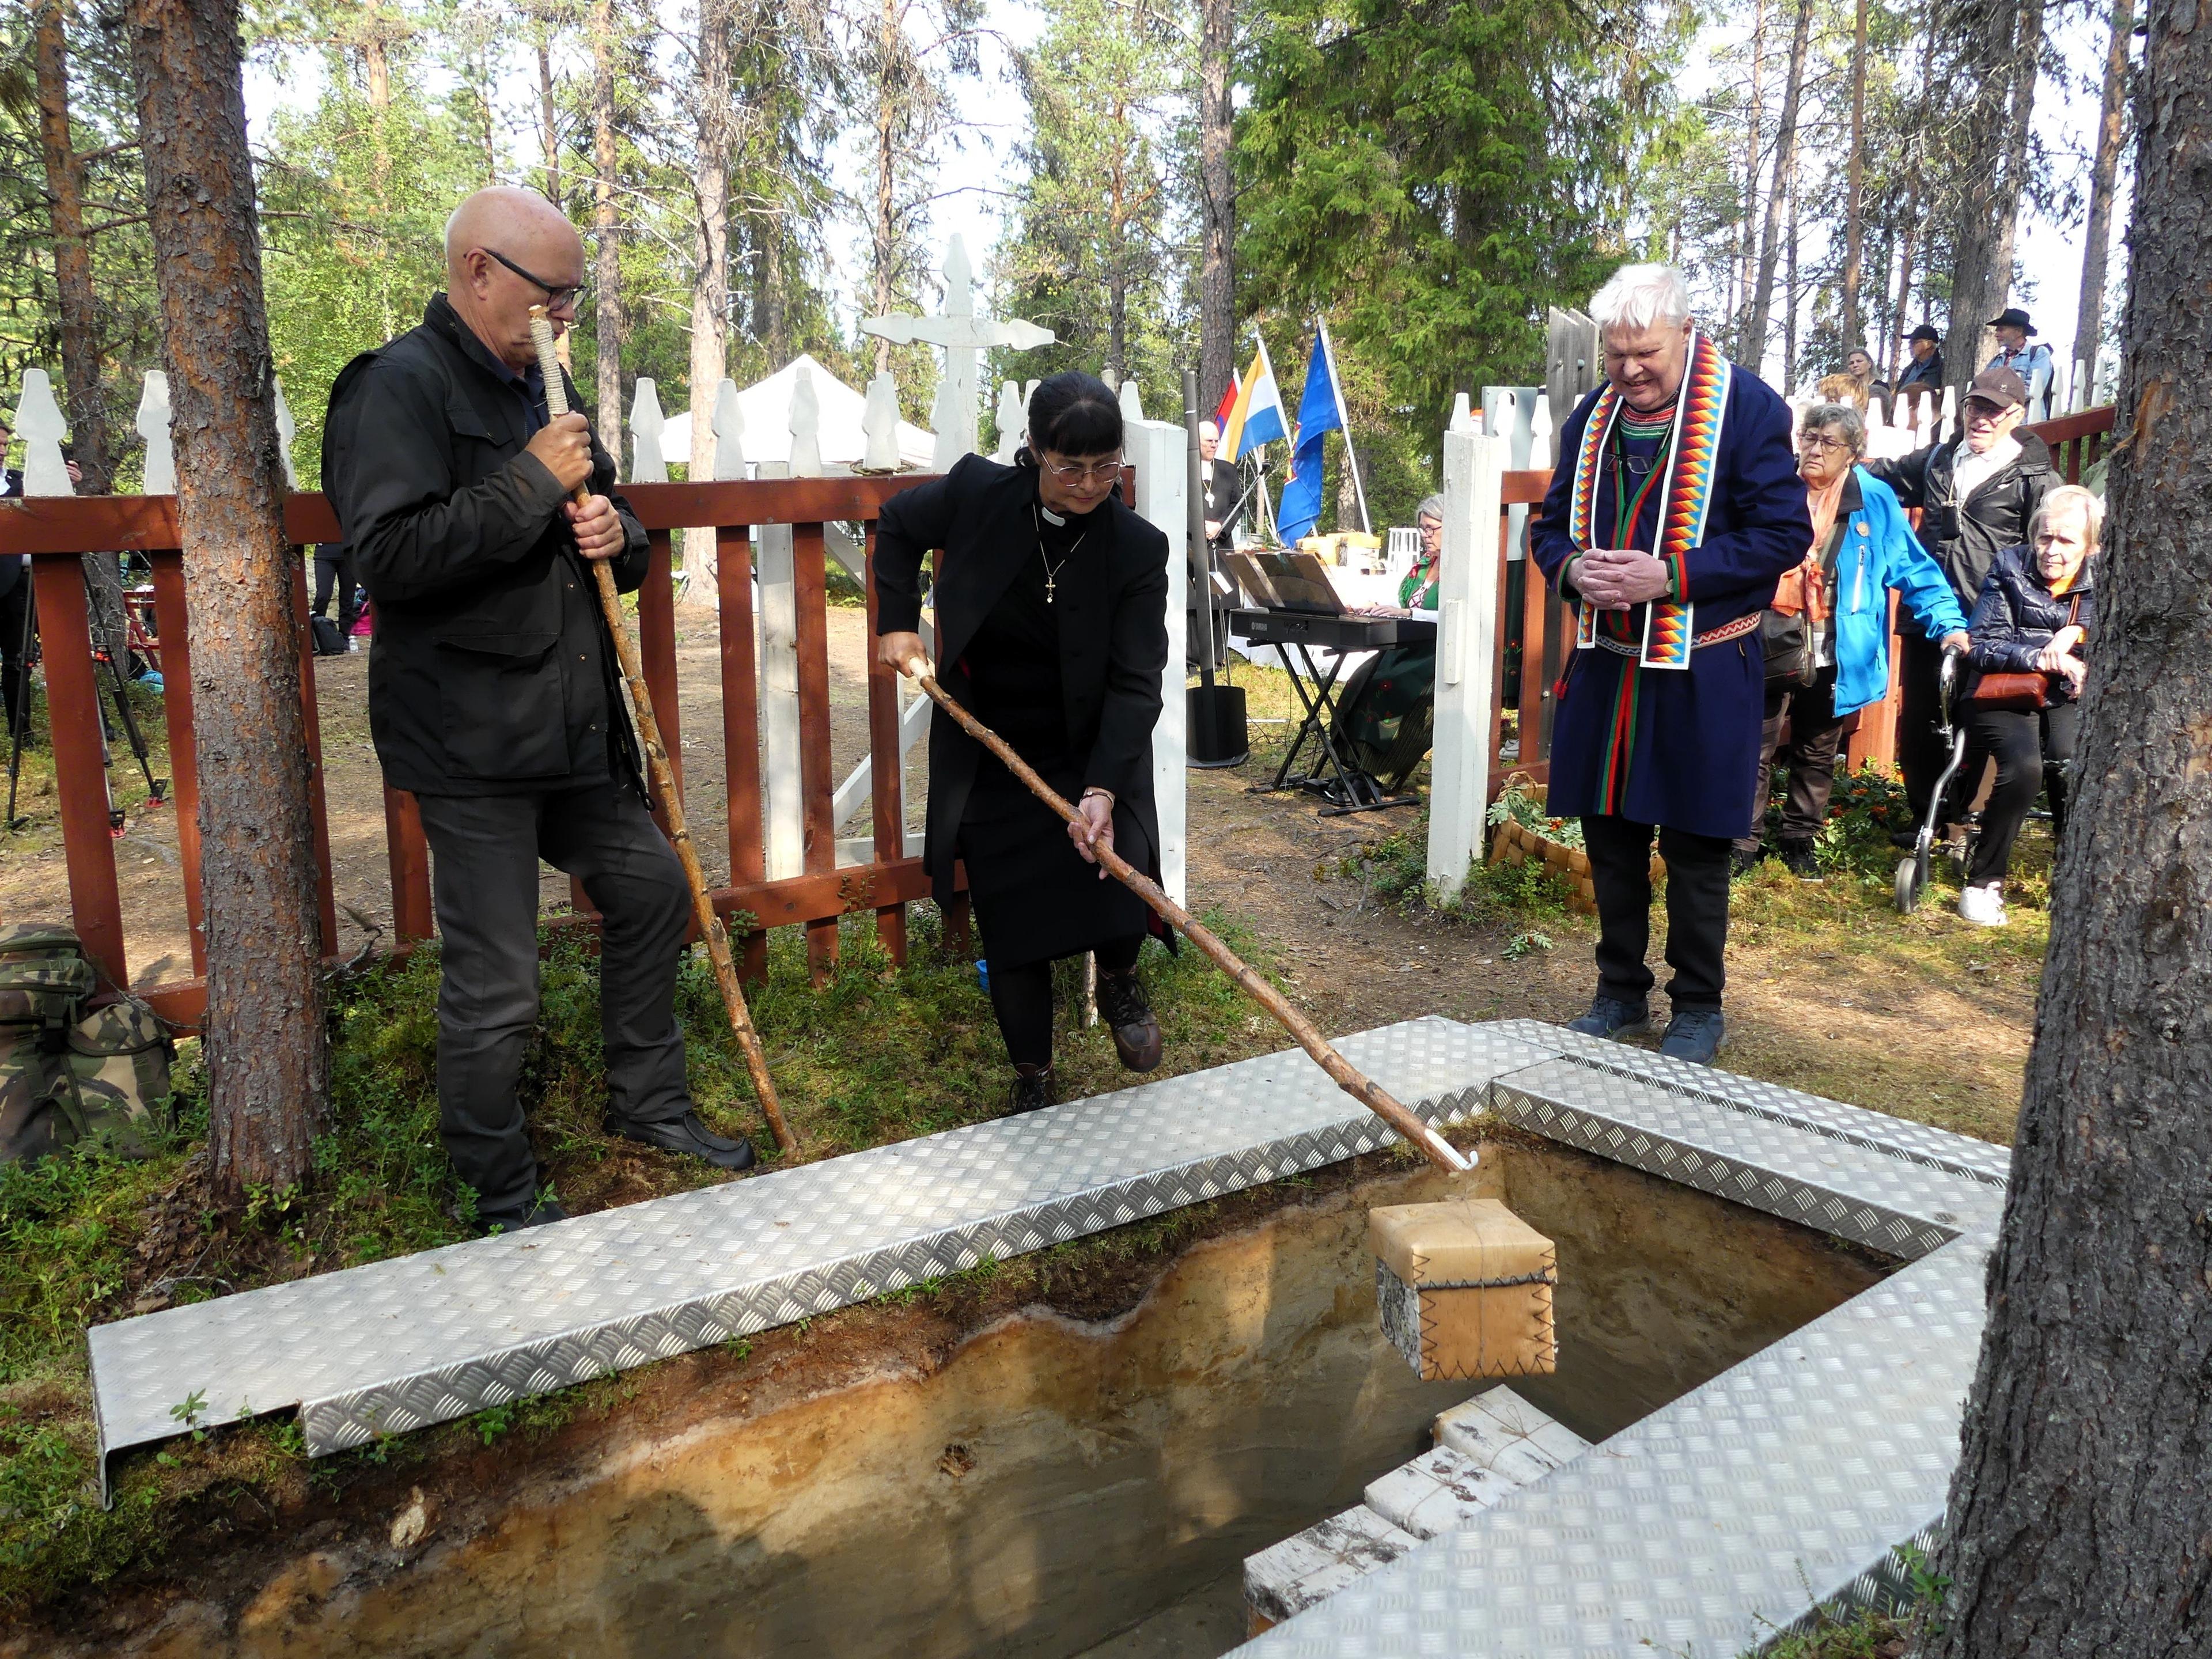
pixel 688 1137
pixel 1036 1087
pixel 1121 1005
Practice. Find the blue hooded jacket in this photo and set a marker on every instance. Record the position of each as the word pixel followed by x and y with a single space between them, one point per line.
pixel 1880 552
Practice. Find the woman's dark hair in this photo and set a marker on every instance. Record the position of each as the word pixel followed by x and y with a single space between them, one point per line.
pixel 1073 414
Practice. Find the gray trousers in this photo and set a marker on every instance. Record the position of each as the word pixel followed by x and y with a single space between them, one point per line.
pixel 484 851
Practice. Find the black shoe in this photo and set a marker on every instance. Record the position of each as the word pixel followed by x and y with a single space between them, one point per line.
pixel 541 1211
pixel 1797 858
pixel 1609 1017
pixel 1121 1005
pixel 1036 1087
pixel 688 1136
pixel 1906 839
pixel 1696 1034
pixel 1742 863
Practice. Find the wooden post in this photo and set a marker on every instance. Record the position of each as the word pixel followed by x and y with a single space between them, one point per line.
pixel 886 796
pixel 741 776
pixel 80 770
pixel 1467 645
pixel 816 786
pixel 1157 449
pixel 169 614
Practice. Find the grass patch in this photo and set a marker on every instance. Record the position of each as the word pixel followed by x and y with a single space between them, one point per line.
pixel 878 1054
pixel 1521 899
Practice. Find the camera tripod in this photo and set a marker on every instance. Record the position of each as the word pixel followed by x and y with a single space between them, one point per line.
pixel 103 651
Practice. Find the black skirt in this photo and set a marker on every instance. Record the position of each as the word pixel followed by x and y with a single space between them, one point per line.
pixel 1035 897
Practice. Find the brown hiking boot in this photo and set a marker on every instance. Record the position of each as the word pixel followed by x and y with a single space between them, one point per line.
pixel 1121 1005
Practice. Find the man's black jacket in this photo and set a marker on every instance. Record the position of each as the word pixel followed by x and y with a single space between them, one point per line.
pixel 492 673
pixel 1964 537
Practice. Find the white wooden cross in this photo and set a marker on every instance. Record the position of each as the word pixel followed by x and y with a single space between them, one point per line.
pixel 153 425
pixel 880 424
pixel 39 423
pixel 1011 420
pixel 961 335
pixel 729 432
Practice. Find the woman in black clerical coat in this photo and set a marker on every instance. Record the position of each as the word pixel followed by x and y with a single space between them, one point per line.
pixel 1051 613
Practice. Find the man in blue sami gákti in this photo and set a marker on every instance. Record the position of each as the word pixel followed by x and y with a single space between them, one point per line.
pixel 1675 507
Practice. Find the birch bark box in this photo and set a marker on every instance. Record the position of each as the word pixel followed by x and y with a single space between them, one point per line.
pixel 1465 1289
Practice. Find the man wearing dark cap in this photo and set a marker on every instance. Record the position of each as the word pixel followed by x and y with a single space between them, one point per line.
pixel 2031 363
pixel 1976 493
pixel 1924 376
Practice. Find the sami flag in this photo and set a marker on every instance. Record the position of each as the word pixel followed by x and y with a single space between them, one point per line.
pixel 1228 401
pixel 1257 415
pixel 1319 412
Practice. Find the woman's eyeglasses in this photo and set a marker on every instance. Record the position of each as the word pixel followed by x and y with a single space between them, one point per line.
pixel 1821 441
pixel 1079 473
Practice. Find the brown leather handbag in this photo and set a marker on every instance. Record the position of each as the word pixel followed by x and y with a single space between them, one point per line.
pixel 2013 692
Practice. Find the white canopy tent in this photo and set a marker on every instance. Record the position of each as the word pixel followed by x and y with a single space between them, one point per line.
pixel 766 406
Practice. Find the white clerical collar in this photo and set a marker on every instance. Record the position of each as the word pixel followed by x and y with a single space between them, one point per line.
pixel 1051 517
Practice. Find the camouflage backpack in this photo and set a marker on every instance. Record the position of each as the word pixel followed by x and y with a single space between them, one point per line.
pixel 67 1070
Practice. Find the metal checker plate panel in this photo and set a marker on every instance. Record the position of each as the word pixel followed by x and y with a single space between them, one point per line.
pixel 1900 1207
pixel 1918 1143
pixel 1714 1523
pixel 421 1338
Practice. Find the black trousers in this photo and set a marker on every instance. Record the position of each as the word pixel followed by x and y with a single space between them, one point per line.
pixel 484 851
pixel 1697 910
pixel 2033 751
pixel 1815 734
pixel 1021 999
pixel 344 575
pixel 14 666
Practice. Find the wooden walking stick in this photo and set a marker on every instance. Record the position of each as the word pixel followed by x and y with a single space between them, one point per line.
pixel 664 777
pixel 1355 1083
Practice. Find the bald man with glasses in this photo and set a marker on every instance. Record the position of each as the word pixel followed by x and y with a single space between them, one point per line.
pixel 494 696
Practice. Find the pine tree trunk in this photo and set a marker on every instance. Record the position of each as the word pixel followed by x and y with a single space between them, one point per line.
pixel 1747 233
pixel 710 281
pixel 2097 236
pixel 1217 274
pixel 73 291
pixel 548 126
pixel 1854 182
pixel 606 277
pixel 1984 30
pixel 266 1040
pixel 2080 1515
pixel 2027 48
pixel 1785 164
pixel 885 229
pixel 1790 297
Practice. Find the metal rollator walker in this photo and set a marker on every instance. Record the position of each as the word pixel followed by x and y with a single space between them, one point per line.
pixel 1912 870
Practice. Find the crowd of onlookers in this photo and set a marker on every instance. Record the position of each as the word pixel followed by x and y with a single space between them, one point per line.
pixel 1999 577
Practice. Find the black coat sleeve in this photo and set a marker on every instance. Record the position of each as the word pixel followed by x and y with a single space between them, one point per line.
pixel 1136 658
pixel 1907 475
pixel 912 523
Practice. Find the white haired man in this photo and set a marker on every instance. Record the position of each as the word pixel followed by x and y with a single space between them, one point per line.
pixel 1675 509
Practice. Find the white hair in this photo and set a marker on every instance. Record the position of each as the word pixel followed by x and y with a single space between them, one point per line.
pixel 1638 296
pixel 2071 498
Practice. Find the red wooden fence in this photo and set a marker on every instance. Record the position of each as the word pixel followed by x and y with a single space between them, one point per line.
pixel 55 531
pixel 1535 625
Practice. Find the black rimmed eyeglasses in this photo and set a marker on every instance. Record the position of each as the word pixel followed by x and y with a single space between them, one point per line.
pixel 556 296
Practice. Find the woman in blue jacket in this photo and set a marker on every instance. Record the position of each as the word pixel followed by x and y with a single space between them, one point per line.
pixel 1863 548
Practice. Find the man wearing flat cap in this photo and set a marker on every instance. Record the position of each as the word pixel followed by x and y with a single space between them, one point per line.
pixel 493 695
pixel 1976 494
pixel 1924 376
pixel 2031 363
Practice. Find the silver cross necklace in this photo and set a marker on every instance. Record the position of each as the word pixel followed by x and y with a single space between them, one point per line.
pixel 1051 570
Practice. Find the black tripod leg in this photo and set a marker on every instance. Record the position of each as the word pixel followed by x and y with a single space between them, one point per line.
pixel 154 786
pixel 22 719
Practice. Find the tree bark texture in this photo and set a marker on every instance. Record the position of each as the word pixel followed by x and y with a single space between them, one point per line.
pixel 2080 1515
pixel 1983 31
pixel 548 125
pixel 1786 164
pixel 1217 271
pixel 1854 181
pixel 2026 53
pixel 607 277
pixel 2104 177
pixel 883 260
pixel 710 279
pixel 1754 125
pixel 266 1040
pixel 73 291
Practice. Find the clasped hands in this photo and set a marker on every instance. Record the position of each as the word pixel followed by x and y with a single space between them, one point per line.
pixel 2058 657
pixel 1615 578
pixel 902 651
pixel 563 447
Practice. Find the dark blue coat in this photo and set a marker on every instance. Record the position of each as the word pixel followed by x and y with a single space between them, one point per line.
pixel 2016 614
pixel 1696 749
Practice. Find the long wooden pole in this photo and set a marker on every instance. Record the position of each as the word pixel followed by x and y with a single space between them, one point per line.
pixel 1361 1087
pixel 664 780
